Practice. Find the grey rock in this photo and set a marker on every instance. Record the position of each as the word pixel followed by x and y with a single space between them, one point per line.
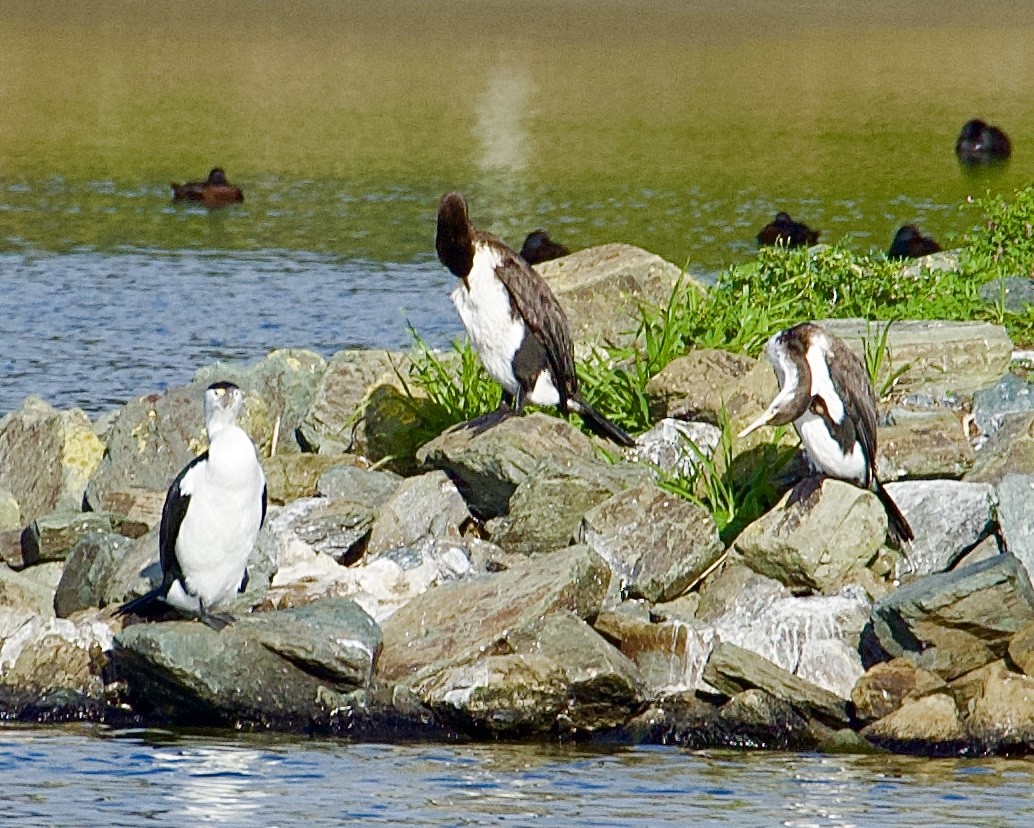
pixel 1010 395
pixel 819 540
pixel 923 444
pixel 758 719
pixel 656 543
pixel 1001 715
pixel 488 465
pixel 427 503
pixel 335 409
pixel 135 572
pixel 1016 516
pixel 51 537
pixel 285 381
pixel 394 427
pixel 1013 293
pixel 90 565
pixel 697 385
pixel 456 622
pixel 46 457
pixel 603 685
pixel 675 447
pixel 1010 450
pixel 941 357
pixel 547 508
pixel 945 261
pixel 954 622
pixel 731 670
pixel 602 288
pixel 337 527
pixel 21 592
pixel 372 487
pixel 263 670
pixel 135 511
pixel 948 517
pixel 10 513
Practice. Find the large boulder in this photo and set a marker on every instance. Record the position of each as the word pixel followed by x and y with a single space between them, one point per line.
pixel 888 685
pixel 51 537
pixel 1009 451
pixel 656 543
pixel 488 464
pixel 1016 517
pixel 930 724
pixel 329 423
pixel 1010 395
pixel 46 457
pixel 547 508
pixel 938 358
pixel 88 570
pixel 954 622
pixel 264 670
pixel 697 385
pixel 948 517
pixel 457 622
pixel 923 444
pixel 292 476
pixel 602 288
pixel 285 381
pixel 427 503
pixel 816 541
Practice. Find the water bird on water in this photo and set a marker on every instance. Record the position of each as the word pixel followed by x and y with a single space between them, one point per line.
pixel 784 230
pixel 824 390
pixel 909 243
pixel 515 322
pixel 214 191
pixel 539 247
pixel 982 143
pixel 211 518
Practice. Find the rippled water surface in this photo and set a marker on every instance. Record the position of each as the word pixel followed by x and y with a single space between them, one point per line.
pixel 87 778
pixel 678 126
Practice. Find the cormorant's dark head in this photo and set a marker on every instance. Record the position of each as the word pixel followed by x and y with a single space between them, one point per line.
pixel 787 352
pixel 454 240
pixel 217 176
pixel 223 402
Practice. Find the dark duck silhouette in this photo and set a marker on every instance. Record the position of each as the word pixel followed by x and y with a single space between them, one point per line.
pixel 784 230
pixel 909 243
pixel 981 143
pixel 214 191
pixel 539 247
pixel 514 320
pixel 824 390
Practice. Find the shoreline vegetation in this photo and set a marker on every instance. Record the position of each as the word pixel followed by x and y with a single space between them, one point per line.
pixel 427 571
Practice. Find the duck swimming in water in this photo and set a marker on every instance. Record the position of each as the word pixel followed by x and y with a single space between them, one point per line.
pixel 214 191
pixel 539 247
pixel 784 230
pixel 909 243
pixel 982 143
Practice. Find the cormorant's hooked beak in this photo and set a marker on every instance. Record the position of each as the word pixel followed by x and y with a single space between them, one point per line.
pixel 763 420
pixel 785 408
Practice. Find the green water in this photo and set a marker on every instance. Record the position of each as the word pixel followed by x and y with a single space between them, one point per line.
pixel 678 126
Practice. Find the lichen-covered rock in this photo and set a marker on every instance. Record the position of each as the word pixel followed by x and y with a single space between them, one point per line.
pixel 292 476
pixel 947 517
pixel 10 513
pixel 1009 451
pixel 328 424
pixel 286 382
pixel 394 426
pixel 1001 711
pixel 816 541
pixel 923 444
pixel 489 464
pixel 602 288
pixel 938 357
pixel 17 591
pixel 656 543
pixel 1015 293
pixel 954 622
pixel 264 670
pixel 456 622
pixel 547 508
pixel 46 457
pixel 427 503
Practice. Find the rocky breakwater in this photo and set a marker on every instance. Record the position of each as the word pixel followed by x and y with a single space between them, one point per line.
pixel 524 580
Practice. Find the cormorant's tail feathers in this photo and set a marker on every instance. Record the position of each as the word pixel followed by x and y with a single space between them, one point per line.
pixel 150 603
pixel 898 529
pixel 600 425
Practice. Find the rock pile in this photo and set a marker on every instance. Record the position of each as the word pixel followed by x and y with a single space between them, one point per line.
pixel 518 580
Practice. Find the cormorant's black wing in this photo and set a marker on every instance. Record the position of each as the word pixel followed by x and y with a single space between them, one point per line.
pixel 859 400
pixel 542 313
pixel 262 521
pixel 173 512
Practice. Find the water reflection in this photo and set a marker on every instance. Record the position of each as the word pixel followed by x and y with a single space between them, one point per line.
pixel 502 110
pixel 215 784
